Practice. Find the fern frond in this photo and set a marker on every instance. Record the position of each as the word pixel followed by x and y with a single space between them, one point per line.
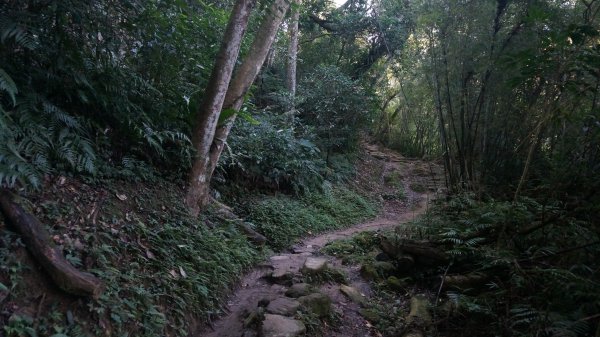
pixel 7 84
pixel 11 30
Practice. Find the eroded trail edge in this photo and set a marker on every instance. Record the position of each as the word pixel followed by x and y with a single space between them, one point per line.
pixel 266 300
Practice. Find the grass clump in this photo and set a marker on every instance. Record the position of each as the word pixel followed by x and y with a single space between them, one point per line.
pixel 283 219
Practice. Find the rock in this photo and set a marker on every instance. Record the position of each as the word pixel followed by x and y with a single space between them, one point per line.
pixel 370 315
pixel 404 262
pixel 368 272
pixel 299 289
pixel 381 256
pixel 377 270
pixel 318 303
pixel 249 333
pixel 283 306
pixel 254 318
pixel 354 295
pixel 314 265
pixel 281 276
pixel 395 284
pixel 419 312
pixel 281 326
pixel 280 257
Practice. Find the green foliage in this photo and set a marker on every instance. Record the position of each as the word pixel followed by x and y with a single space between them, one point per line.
pixel 537 257
pixel 161 268
pixel 329 275
pixel 283 219
pixel 273 154
pixel 354 250
pixel 337 107
pixel 85 86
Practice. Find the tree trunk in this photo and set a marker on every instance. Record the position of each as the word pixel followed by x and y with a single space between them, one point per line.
pixel 210 109
pixel 38 242
pixel 245 75
pixel 292 53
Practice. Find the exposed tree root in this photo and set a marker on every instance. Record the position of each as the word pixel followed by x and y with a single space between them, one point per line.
pixel 39 244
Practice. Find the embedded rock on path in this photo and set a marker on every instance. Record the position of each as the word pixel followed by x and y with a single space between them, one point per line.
pixel 281 279
pixel 281 326
pixel 314 265
pixel 283 306
pixel 354 295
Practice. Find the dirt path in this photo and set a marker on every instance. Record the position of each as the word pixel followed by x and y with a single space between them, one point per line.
pixel 270 281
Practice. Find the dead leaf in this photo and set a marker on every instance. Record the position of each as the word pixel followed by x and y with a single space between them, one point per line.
pixel 173 273
pixel 149 254
pixel 62 180
pixel 182 272
pixel 121 197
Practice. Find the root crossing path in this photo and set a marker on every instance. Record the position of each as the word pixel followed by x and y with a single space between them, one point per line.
pixel 266 301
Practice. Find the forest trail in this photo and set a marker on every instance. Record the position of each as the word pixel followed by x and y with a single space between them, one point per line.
pixel 405 187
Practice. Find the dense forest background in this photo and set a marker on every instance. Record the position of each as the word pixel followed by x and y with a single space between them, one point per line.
pixel 503 93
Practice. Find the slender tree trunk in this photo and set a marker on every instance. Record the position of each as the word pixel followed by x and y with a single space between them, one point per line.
pixel 292 53
pixel 245 75
pixel 208 114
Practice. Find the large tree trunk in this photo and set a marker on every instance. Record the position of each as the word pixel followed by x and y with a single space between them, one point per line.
pixel 245 75
pixel 292 52
pixel 210 109
pixel 38 242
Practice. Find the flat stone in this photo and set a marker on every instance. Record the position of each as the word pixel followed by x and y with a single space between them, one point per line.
pixel 281 326
pixel 377 270
pixel 318 303
pixel 282 276
pixel 279 257
pixel 354 295
pixel 283 306
pixel 299 289
pixel 314 265
pixel 249 333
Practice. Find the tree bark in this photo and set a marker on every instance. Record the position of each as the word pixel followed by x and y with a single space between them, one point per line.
pixel 245 76
pixel 39 244
pixel 210 109
pixel 395 247
pixel 292 52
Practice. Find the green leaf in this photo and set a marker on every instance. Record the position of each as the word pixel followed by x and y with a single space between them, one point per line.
pixel 7 84
pixel 246 116
pixel 225 114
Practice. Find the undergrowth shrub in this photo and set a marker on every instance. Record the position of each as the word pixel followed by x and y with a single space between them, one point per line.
pixel 273 154
pixel 336 106
pixel 539 261
pixel 162 269
pixel 181 265
pixel 283 219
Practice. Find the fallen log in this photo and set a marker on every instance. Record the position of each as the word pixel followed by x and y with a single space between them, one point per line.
pixel 470 280
pixel 418 320
pixel 397 248
pixel 38 242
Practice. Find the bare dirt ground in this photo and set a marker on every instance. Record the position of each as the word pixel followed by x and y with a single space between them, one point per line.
pixel 405 187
